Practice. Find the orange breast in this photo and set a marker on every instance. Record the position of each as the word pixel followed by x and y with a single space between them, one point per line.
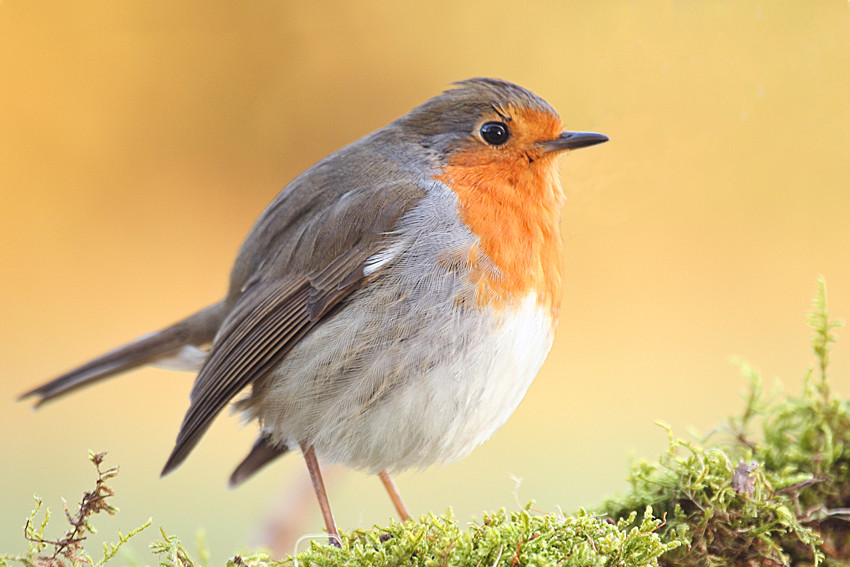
pixel 513 206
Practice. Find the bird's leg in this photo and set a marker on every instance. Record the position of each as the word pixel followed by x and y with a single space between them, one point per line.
pixel 321 495
pixel 394 496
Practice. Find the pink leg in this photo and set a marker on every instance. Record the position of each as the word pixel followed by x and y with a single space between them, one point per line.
pixel 394 496
pixel 319 487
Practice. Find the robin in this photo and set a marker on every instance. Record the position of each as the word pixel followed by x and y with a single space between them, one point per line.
pixel 392 305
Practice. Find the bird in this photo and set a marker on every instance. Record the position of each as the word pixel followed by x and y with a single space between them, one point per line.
pixel 392 305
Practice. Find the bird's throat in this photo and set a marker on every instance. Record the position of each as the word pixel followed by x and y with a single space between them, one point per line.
pixel 514 210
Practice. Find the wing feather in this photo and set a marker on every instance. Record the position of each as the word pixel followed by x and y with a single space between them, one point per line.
pixel 260 330
pixel 304 255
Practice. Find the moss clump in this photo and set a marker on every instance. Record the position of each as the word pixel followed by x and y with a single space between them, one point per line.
pixel 521 538
pixel 772 488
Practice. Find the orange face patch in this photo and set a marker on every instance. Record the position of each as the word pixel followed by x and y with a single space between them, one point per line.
pixel 510 196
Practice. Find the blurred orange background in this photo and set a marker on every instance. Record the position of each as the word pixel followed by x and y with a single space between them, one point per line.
pixel 139 141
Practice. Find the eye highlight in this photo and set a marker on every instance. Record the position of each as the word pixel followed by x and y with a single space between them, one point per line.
pixel 495 133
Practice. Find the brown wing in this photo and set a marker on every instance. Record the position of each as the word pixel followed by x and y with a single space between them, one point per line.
pixel 264 325
pixel 303 256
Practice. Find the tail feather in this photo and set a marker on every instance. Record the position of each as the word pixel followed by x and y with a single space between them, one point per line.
pixel 196 330
pixel 262 453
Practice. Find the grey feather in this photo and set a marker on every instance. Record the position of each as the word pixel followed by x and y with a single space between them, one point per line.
pixel 197 330
pixel 262 453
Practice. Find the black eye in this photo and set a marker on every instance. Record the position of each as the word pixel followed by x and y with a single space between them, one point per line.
pixel 495 133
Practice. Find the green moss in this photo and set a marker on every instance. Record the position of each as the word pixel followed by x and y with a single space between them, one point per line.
pixel 774 489
pixel 770 487
pixel 521 538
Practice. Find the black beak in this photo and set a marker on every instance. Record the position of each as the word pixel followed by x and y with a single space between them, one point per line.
pixel 573 141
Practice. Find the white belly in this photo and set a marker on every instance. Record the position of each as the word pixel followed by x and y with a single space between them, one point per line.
pixel 428 399
pixel 459 404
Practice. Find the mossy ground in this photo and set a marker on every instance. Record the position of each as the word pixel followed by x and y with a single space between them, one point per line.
pixel 770 487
